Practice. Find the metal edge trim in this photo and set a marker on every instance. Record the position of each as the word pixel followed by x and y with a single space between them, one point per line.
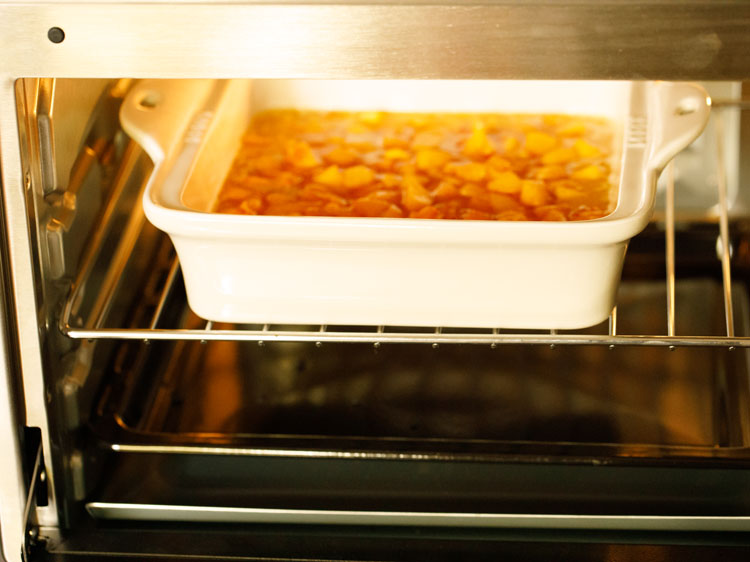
pixel 153 512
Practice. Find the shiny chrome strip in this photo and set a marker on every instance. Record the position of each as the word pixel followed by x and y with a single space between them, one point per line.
pixel 315 336
pixel 669 207
pixel 15 182
pixel 726 261
pixel 150 512
pixel 267 452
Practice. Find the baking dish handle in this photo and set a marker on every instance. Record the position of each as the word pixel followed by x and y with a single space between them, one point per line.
pixel 680 114
pixel 158 114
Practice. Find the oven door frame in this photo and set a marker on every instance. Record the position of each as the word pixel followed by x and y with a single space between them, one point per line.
pixel 175 39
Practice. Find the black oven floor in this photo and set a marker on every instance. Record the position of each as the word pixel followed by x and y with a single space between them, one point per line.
pixel 627 396
pixel 163 542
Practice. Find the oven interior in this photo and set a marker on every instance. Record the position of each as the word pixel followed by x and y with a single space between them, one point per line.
pixel 157 415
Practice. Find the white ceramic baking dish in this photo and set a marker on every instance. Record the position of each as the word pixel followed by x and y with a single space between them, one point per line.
pixel 406 272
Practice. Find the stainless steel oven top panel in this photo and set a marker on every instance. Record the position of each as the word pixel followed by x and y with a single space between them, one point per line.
pixel 512 39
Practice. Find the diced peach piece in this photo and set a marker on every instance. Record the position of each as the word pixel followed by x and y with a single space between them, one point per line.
pixel 278 198
pixel 393 212
pixel 357 129
pixel 405 167
pixel 566 190
pixel 553 172
pixel 551 213
pixel 390 195
pixel 396 154
pixel 501 202
pixel 269 164
pixel 336 210
pixel 431 158
pixel 288 179
pixel 511 144
pixel 505 182
pixel 584 212
pixel 534 193
pixel 591 172
pixel 428 212
pixel 391 180
pixel 259 184
pixel 470 171
pixel 585 149
pixel 511 215
pixel 331 176
pixel 414 196
pixel 472 190
pixel 574 129
pixel 561 155
pixel 426 140
pixel 371 118
pixel 300 155
pixel 475 215
pixel 369 207
pixel 395 142
pixel 498 163
pixel 450 209
pixel 284 209
pixel 538 142
pixel 481 203
pixel 314 191
pixel 478 145
pixel 252 205
pixel 342 156
pixel 357 176
pixel 229 208
pixel 444 192
pixel 313 210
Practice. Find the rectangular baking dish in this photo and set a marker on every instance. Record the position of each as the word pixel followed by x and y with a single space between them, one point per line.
pixel 404 272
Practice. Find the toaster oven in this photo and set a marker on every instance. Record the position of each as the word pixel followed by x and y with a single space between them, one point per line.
pixel 134 429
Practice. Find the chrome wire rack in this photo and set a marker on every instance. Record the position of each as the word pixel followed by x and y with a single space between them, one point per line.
pixel 93 326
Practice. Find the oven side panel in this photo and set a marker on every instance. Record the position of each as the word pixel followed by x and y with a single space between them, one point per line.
pixel 11 481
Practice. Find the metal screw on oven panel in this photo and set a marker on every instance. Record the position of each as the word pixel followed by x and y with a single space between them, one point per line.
pixel 318 344
pixel 56 35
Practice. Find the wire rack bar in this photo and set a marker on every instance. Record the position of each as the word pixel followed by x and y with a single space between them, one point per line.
pixel 612 323
pixel 315 335
pixel 721 181
pixel 171 276
pixel 670 248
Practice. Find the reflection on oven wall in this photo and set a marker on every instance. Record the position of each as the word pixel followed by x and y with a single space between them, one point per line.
pixel 696 171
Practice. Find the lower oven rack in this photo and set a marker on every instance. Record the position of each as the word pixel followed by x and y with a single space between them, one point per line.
pixel 93 325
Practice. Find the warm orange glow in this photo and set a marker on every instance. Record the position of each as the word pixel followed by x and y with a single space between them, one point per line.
pixel 452 166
